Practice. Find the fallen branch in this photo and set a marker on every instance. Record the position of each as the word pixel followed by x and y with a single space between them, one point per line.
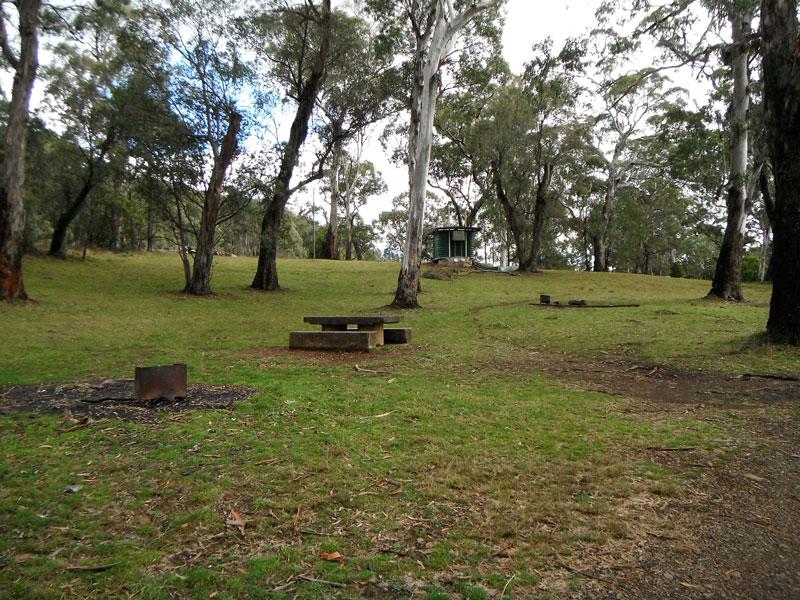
pixel 363 370
pixel 682 449
pixel 503 593
pixel 381 416
pixel 777 377
pixel 322 581
pixel 90 569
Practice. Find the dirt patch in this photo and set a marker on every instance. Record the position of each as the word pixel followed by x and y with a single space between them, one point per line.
pixel 113 399
pixel 735 529
pixel 657 383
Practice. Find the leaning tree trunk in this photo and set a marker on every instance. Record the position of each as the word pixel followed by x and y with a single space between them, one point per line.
pixel 727 283
pixel 266 277
pixel 12 172
pixel 58 243
pixel 781 62
pixel 200 284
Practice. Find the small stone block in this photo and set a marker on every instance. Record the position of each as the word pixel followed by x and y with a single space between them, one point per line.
pixel 341 341
pixel 397 336
pixel 544 299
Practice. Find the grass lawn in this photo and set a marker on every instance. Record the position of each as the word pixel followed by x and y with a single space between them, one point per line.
pixel 458 472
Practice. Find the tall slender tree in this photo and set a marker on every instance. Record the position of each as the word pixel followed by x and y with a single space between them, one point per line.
pixel 312 25
pixel 727 283
pixel 203 75
pixel 24 62
pixel 84 94
pixel 434 26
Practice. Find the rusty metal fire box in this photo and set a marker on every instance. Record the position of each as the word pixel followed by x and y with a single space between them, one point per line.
pixel 156 383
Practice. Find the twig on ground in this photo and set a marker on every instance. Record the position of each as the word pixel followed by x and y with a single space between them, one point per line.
pixel 503 593
pixel 322 581
pixel 363 370
pixel 681 449
pixel 381 416
pixel 90 569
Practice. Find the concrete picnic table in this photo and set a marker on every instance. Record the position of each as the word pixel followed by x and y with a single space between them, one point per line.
pixel 364 323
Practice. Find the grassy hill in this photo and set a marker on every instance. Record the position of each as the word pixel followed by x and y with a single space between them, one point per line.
pixel 487 455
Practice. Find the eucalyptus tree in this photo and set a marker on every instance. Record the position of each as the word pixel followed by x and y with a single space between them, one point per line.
pixel 628 103
pixel 529 130
pixel 348 105
pixel 358 182
pixel 458 169
pixel 727 283
pixel 24 62
pixel 430 29
pixel 296 40
pixel 203 76
pixel 675 27
pixel 85 93
pixel 780 32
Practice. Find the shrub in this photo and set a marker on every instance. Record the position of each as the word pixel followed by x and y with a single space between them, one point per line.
pixel 750 268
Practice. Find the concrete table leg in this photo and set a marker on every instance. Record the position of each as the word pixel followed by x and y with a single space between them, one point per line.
pixel 378 329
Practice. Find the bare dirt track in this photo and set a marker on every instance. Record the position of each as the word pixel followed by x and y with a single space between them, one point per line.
pixel 737 529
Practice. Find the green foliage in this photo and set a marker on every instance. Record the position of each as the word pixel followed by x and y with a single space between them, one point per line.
pixel 677 270
pixel 750 266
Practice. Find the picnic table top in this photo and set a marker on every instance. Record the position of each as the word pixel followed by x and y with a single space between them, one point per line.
pixel 371 320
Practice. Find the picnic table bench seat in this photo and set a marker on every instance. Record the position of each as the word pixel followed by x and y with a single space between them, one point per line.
pixel 342 341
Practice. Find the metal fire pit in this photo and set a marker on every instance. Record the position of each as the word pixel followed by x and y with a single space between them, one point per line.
pixel 156 383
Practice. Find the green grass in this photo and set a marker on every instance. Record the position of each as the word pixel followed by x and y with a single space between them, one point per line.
pixel 419 478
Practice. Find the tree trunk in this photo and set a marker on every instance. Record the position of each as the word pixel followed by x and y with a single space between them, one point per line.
pixel 349 220
pixel 330 250
pixel 266 277
pixel 420 154
pixel 515 221
pixel 58 243
pixel 727 283
pixel 780 50
pixel 117 224
pixel 434 41
pixel 600 253
pixel 151 225
pixel 540 216
pixel 600 238
pixel 200 283
pixel 12 175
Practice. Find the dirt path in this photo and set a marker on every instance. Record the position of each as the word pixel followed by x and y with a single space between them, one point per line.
pixel 739 520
